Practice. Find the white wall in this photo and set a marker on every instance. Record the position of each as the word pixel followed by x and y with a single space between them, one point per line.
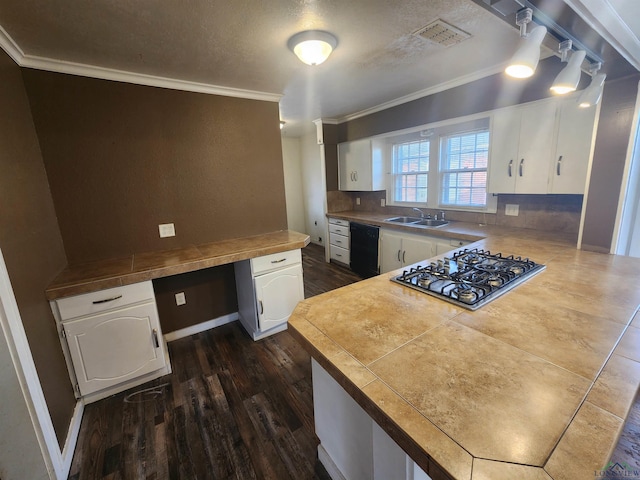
pixel 292 163
pixel 314 188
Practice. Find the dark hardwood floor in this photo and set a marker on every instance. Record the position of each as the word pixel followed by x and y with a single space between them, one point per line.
pixel 232 408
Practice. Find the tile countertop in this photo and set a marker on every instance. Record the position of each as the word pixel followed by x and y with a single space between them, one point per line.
pixel 534 385
pixel 94 276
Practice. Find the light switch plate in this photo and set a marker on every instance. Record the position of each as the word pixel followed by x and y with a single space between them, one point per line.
pixel 167 230
pixel 511 210
pixel 180 299
pixel 357 200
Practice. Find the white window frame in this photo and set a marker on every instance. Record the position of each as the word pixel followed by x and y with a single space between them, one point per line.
pixel 435 131
pixel 395 174
pixel 444 160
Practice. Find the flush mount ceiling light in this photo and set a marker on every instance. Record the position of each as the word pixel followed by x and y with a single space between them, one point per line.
pixel 524 62
pixel 312 46
pixel 569 77
pixel 593 93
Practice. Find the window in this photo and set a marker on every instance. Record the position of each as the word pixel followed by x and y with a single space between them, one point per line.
pixel 410 171
pixel 463 169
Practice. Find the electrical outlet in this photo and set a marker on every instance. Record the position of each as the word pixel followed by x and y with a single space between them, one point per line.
pixel 167 230
pixel 382 202
pixel 180 300
pixel 511 210
pixel 357 200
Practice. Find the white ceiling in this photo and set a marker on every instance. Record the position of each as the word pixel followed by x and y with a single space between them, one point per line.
pixel 239 47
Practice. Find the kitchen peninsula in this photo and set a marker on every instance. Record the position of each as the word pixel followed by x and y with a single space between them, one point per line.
pixel 534 385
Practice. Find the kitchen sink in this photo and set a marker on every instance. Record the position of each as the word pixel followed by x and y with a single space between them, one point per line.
pixel 430 222
pixel 403 219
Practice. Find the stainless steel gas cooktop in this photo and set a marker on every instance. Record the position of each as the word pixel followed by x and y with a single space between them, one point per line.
pixel 470 278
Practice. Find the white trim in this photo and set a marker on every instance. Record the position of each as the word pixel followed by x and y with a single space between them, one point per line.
pixel 60 66
pixel 602 17
pixel 72 437
pixel 28 377
pixel 201 327
pixel 424 93
pixel 617 241
pixel 326 461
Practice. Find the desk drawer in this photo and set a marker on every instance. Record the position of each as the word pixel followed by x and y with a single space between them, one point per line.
pixel 339 254
pixel 267 263
pixel 95 302
pixel 338 240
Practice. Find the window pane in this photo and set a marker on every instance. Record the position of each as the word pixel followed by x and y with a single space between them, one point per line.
pixel 411 164
pixel 464 169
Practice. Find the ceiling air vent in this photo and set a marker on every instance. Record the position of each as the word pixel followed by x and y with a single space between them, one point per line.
pixel 441 33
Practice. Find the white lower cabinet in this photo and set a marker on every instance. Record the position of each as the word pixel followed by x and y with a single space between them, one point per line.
pixel 400 249
pixel 352 445
pixel 269 288
pixel 112 339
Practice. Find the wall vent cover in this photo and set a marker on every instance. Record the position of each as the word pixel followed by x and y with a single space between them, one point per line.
pixel 441 33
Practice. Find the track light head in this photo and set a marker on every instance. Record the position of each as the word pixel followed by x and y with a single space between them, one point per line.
pixel 524 62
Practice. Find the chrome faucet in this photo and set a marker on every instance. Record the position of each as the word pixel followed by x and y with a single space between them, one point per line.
pixel 422 215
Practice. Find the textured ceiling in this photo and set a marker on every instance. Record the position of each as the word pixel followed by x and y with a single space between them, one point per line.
pixel 242 44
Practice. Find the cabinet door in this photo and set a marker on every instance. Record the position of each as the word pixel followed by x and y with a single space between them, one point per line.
pixel 277 294
pixel 505 136
pixel 390 252
pixel 354 165
pixel 537 136
pixel 113 347
pixel 415 250
pixel 573 148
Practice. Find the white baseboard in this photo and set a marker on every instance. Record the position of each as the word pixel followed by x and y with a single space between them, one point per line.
pixel 328 464
pixel 72 438
pixel 201 327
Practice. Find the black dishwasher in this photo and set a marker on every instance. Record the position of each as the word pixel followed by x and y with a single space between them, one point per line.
pixel 364 249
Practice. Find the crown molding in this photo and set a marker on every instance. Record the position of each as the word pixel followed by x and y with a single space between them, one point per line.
pixel 60 66
pixel 456 82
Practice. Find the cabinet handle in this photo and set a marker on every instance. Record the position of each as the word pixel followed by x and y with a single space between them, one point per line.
pixel 510 167
pixel 279 261
pixel 403 252
pixel 398 255
pixel 338 254
pixel 107 300
pixel 261 307
pixel 558 165
pixel 156 342
pixel 520 168
pixel 356 175
pixel 338 241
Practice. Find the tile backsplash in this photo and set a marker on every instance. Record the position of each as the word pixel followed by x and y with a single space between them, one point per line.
pixel 559 213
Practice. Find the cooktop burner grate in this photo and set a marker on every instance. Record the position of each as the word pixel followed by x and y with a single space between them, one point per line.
pixel 470 277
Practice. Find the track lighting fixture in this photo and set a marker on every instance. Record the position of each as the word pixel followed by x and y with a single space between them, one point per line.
pixel 525 60
pixel 569 77
pixel 593 93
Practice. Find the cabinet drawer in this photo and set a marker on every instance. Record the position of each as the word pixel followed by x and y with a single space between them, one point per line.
pixel 339 229
pixel 95 302
pixel 267 263
pixel 339 221
pixel 339 254
pixel 339 240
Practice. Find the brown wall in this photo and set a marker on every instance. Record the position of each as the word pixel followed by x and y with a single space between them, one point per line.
pixel 482 95
pixel 210 293
pixel 612 141
pixel 123 158
pixel 30 241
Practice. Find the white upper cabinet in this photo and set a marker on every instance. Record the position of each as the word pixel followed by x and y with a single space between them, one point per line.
pixel 360 166
pixel 522 148
pixel 573 148
pixel 541 147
